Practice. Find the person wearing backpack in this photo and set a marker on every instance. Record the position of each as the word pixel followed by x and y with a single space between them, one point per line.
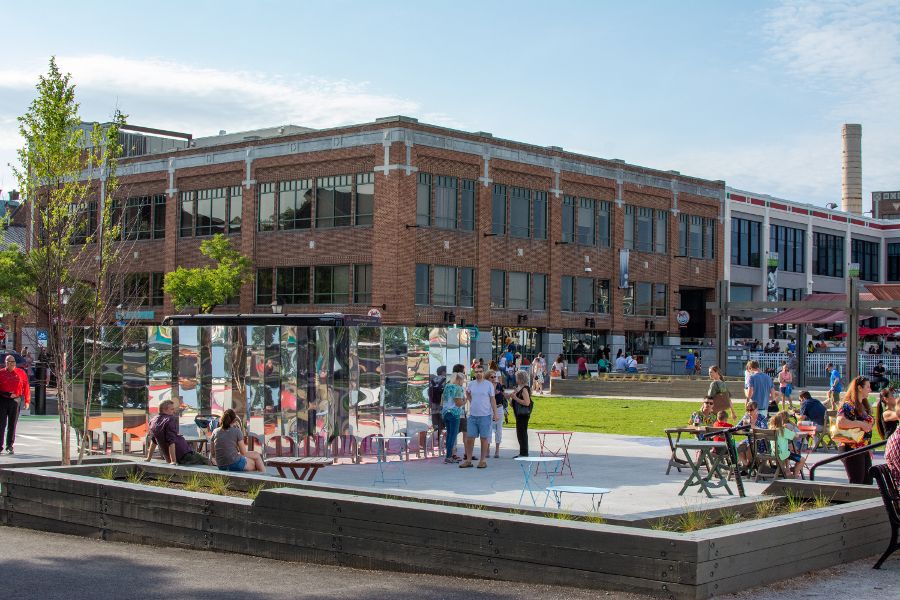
pixel 435 396
pixel 522 405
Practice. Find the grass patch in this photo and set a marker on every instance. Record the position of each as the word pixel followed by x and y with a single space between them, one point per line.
pixel 821 500
pixel 795 502
pixel 216 484
pixel 135 476
pixel 647 418
pixel 766 509
pixel 194 483
pixel 107 472
pixel 730 517
pixel 692 520
pixel 254 490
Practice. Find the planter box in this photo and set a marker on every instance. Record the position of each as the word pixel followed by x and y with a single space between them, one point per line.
pixel 322 524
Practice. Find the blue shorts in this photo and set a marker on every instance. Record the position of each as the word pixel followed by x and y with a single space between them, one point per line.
pixel 479 427
pixel 787 389
pixel 237 465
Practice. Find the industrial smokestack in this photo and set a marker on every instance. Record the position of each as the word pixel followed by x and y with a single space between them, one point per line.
pixel 851 169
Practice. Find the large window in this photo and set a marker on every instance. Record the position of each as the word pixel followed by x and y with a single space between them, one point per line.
pixel 539 215
pixel 498 210
pixel 645 229
pixel 423 295
pixel 292 285
pixel 264 281
pixel 141 218
pixel 137 219
pixel 518 290
pixel 333 201
pixel 603 223
pixel 211 211
pixel 585 225
pixel 866 254
pixel 893 265
pixel 538 298
pixel 466 287
pixel 828 255
pixel 646 300
pixel 586 221
pixel 423 200
pixel 365 198
pixel 696 236
pixel 569 209
pixel 584 294
pixel 295 199
pixel 444 287
pixel 519 212
pixel 266 208
pixel 790 245
pixel 467 205
pixel 362 284
pixel 85 215
pixel 445 196
pixel 137 289
pixel 745 241
pixel 517 294
pixel 332 285
pixel 157 296
pixel 498 289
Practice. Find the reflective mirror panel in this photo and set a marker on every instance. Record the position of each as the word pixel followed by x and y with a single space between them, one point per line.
pixel 418 372
pixel 134 382
pixel 395 372
pixel 370 396
pixel 188 376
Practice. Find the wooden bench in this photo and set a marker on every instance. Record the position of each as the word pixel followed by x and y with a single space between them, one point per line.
pixel 309 464
pixel 891 496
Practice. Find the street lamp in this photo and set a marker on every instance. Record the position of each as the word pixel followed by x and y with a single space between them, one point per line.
pixel 276 307
pixel 65 294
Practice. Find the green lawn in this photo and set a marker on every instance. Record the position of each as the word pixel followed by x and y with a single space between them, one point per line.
pixel 625 417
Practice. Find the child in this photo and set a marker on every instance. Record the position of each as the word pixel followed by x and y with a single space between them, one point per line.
pixel 785 384
pixel 785 434
pixel 722 421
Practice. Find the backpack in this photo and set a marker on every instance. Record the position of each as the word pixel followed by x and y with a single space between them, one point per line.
pixel 436 390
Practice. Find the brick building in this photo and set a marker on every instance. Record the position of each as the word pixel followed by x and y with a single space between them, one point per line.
pixel 431 226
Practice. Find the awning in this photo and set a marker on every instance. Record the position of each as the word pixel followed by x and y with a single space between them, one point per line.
pixel 885 291
pixel 816 315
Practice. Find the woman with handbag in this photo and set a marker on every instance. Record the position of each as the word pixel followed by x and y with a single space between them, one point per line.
pixel 522 406
pixel 853 429
pixel 718 391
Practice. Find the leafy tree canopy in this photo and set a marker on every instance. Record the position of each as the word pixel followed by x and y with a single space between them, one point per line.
pixel 207 287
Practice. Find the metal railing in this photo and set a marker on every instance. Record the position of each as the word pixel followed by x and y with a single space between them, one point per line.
pixel 816 363
pixel 842 455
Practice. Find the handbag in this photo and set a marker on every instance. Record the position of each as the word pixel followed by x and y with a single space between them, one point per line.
pixel 523 411
pixel 721 397
pixel 853 435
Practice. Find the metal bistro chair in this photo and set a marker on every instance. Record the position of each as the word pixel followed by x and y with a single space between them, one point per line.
pixel 281 445
pixel 891 497
pixel 345 446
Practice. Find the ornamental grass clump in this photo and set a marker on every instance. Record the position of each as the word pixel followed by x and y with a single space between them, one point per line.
pixel 135 476
pixel 194 483
pixel 216 484
pixel 730 517
pixel 107 472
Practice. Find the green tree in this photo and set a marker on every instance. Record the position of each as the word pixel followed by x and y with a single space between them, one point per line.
pixel 18 281
pixel 64 166
pixel 209 286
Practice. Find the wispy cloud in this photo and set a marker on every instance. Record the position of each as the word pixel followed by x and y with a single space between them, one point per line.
pixel 201 100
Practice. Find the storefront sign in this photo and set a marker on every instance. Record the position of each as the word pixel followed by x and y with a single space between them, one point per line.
pixel 683 317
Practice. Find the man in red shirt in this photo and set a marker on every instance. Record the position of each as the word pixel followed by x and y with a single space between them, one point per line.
pixel 14 389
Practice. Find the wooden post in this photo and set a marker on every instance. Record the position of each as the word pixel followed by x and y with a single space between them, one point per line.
pixel 722 328
pixel 853 324
pixel 801 355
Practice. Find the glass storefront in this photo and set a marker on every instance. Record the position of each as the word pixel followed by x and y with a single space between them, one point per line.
pixel 310 383
pixel 524 340
pixel 583 342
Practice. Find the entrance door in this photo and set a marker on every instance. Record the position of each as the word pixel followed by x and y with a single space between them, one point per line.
pixel 694 302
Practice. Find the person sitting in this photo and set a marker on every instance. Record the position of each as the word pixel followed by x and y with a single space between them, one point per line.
pixel 753 418
pixel 721 421
pixel 878 377
pixel 784 435
pixel 631 364
pixel 230 450
pixel 705 417
pixel 602 365
pixel 812 410
pixel 163 433
pixel 895 350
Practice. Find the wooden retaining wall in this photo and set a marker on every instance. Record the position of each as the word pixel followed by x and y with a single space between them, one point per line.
pixel 309 524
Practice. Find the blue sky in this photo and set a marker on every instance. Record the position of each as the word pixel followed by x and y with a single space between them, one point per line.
pixel 753 92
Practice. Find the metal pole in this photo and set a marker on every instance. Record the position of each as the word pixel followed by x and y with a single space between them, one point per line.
pixel 801 355
pixel 722 326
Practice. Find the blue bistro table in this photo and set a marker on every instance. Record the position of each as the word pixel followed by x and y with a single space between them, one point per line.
pixel 530 465
pixel 559 490
pixel 384 449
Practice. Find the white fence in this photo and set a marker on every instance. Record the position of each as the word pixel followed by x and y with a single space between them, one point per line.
pixel 816 363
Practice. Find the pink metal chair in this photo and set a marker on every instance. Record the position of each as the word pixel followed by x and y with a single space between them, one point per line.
pixel 281 445
pixel 345 446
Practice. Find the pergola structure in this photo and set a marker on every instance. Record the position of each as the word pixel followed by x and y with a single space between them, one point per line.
pixel 816 308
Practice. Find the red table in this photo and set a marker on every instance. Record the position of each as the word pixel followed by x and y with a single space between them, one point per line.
pixel 562 450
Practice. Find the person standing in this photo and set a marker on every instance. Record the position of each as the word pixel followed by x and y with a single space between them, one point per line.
pixel 538 372
pixel 435 395
pixel 690 362
pixel 835 385
pixel 14 391
pixel 522 406
pixel 785 386
pixel 502 404
pixel 559 367
pixel 854 413
pixel 453 401
pixel 621 362
pixel 463 420
pixel 482 412
pixel 719 392
pixel 759 388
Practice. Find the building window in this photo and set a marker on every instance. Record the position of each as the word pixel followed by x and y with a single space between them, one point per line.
pixel 645 229
pixel 683 234
pixel 264 282
pixel 157 297
pixel 209 211
pixel 893 258
pixel 709 239
pixel 660 232
pixel 362 284
pixel 866 254
pixel 365 198
pixel 538 298
pixel 569 210
pixel 517 295
pixel 585 222
pixel 333 200
pixel 498 289
pixel 519 212
pixel 790 245
pixel 643 235
pixel 790 294
pixel 332 284
pixel 646 300
pixel 188 209
pixel 85 215
pixel 498 210
pixel 745 242
pixel 467 205
pixel 601 286
pixel 828 254
pixel 466 287
pixel 235 209
pixel 292 285
pixel 628 232
pixel 422 285
pixel 295 202
pixel 444 287
pixel 603 224
pixel 266 208
pixel 423 200
pixel 137 220
pixel 539 220
pixel 137 289
pixel 445 195
pixel 584 295
pixel 695 237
